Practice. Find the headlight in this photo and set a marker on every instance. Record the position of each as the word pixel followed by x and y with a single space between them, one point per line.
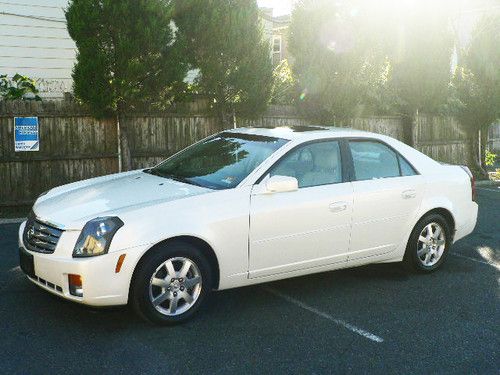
pixel 96 236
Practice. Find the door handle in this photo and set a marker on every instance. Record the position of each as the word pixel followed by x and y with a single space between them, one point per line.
pixel 338 206
pixel 408 194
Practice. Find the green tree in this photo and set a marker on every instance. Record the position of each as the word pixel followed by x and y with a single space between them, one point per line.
pixel 476 86
pixel 284 89
pixel 337 60
pixel 224 41
pixel 128 57
pixel 420 54
pixel 18 88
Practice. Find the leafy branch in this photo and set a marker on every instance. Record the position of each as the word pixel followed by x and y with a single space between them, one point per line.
pixel 18 88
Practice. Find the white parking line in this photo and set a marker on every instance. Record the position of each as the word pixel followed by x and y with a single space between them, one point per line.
pixel 17 220
pixel 15 269
pixel 349 326
pixel 494 189
pixel 488 263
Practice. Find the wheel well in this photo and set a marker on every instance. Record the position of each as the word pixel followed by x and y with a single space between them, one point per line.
pixel 197 242
pixel 447 215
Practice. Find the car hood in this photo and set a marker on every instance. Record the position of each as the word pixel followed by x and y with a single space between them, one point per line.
pixel 71 206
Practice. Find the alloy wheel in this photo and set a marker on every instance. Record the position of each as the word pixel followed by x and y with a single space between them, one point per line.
pixel 175 286
pixel 431 244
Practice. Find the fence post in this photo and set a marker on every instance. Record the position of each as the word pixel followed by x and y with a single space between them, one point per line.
pixel 119 143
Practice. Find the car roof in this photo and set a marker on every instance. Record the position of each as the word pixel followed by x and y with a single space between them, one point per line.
pixel 303 132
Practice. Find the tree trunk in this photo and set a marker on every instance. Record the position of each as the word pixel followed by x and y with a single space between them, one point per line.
pixel 410 123
pixel 483 146
pixel 225 118
pixel 477 155
pixel 125 155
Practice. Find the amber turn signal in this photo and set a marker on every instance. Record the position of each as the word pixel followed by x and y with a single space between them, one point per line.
pixel 75 285
pixel 119 263
pixel 75 280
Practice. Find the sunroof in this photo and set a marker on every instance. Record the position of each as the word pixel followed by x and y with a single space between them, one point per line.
pixel 306 128
pixel 296 128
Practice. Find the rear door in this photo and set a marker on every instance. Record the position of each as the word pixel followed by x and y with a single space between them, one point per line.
pixel 387 195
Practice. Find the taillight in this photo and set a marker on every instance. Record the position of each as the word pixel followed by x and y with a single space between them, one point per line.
pixel 472 181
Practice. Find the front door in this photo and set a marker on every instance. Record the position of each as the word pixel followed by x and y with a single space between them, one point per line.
pixel 306 228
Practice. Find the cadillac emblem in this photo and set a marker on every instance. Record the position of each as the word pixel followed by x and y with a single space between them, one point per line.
pixel 30 233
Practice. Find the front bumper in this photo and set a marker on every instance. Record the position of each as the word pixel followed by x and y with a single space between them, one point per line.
pixel 101 285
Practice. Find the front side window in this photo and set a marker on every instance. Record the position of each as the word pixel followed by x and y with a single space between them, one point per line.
pixel 313 164
pixel 219 162
pixel 374 160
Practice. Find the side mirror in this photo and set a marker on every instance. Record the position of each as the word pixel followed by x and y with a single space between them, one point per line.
pixel 281 184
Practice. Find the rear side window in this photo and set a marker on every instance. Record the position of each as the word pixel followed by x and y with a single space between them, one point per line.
pixel 406 168
pixel 374 160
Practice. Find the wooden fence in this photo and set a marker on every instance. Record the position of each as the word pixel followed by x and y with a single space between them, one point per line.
pixel 441 138
pixel 388 125
pixel 75 146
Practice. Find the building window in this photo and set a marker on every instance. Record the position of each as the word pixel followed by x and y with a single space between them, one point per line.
pixel 277 44
pixel 277 49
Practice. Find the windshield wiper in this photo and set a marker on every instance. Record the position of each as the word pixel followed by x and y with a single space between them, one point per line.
pixel 182 179
pixel 154 172
pixel 174 177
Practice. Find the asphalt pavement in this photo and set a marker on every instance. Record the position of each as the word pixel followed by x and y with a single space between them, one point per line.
pixel 373 319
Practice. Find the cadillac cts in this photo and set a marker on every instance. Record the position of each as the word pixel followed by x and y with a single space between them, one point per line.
pixel 242 207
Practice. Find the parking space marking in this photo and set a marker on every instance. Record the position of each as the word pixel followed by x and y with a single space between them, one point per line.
pixel 18 220
pixel 347 325
pixel 496 190
pixel 15 269
pixel 488 263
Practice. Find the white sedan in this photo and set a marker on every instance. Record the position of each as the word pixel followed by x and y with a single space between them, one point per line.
pixel 243 207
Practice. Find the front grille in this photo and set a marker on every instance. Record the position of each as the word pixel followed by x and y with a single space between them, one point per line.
pixel 39 236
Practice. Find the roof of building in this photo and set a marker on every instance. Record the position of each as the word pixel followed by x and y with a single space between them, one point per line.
pixel 267 14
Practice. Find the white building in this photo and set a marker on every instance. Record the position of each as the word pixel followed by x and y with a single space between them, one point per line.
pixel 34 42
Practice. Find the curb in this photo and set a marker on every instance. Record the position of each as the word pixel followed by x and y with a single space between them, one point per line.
pixel 17 220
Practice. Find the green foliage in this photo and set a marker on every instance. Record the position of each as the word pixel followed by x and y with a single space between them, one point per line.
pixel 283 90
pixel 18 88
pixel 127 53
pixel 356 56
pixel 476 83
pixel 489 158
pixel 224 40
pixel 337 62
pixel 420 55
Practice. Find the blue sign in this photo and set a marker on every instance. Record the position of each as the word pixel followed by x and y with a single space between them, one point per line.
pixel 26 134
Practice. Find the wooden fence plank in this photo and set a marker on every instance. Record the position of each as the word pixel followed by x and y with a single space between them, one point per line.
pixel 75 146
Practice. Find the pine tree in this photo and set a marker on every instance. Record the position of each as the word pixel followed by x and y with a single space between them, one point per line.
pixel 127 56
pixel 224 41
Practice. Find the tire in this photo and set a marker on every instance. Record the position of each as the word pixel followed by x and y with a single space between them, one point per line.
pixel 426 252
pixel 167 274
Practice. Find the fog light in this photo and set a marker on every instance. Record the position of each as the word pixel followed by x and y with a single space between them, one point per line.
pixel 75 285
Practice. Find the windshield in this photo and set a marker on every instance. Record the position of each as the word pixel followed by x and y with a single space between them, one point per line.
pixel 219 162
